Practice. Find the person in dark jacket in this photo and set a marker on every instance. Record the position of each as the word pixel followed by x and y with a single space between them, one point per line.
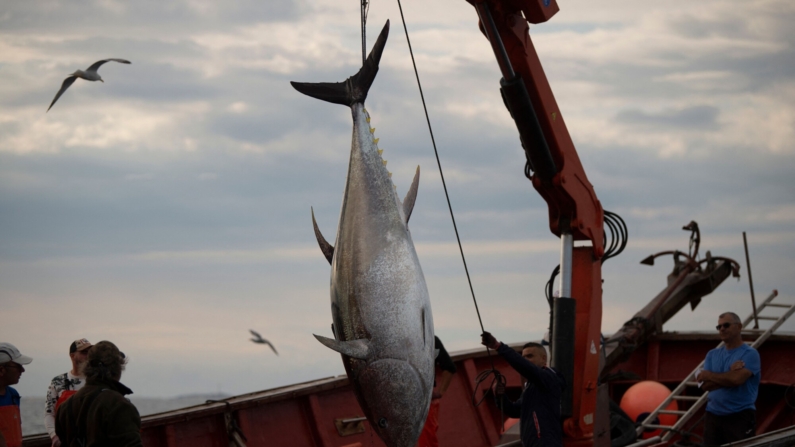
pixel 538 409
pixel 429 436
pixel 99 415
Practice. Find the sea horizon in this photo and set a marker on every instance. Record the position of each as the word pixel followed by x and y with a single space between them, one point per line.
pixel 32 408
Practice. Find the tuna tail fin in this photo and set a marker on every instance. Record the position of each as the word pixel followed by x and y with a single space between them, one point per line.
pixel 354 89
pixel 325 247
pixel 358 349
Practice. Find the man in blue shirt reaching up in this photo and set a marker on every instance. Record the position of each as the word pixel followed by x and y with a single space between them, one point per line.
pixel 731 375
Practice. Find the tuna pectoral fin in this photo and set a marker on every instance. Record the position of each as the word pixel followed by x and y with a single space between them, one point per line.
pixel 354 89
pixel 411 196
pixel 325 247
pixel 358 349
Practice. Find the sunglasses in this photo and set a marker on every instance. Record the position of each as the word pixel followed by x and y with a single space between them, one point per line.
pixel 724 326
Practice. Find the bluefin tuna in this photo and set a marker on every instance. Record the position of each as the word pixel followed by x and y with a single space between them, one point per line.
pixel 381 312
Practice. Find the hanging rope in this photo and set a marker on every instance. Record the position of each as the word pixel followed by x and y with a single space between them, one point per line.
pixel 499 379
pixel 365 7
pixel 441 174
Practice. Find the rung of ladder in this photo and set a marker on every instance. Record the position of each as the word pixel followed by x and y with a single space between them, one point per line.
pixel 690 398
pixel 655 426
pixel 646 442
pixel 692 384
pixel 765 303
pixel 759 317
pixel 784 306
pixel 672 412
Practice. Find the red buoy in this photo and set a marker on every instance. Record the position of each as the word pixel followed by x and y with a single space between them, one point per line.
pixel 642 398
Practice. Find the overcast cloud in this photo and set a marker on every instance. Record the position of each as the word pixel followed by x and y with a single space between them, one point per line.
pixel 167 209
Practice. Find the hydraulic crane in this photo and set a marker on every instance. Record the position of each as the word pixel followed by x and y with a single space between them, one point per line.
pixel 575 213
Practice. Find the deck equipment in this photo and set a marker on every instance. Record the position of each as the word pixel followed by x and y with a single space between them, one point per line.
pixel 680 392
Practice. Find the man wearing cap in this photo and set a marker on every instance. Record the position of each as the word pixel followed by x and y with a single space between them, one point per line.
pixel 99 414
pixel 11 361
pixel 65 385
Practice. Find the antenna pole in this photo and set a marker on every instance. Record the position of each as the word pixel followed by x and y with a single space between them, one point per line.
pixel 750 281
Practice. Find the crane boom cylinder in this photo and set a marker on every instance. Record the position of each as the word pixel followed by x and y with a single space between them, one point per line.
pixel 574 208
pixel 564 323
pixel 490 30
pixel 566 254
pixel 517 100
pixel 563 349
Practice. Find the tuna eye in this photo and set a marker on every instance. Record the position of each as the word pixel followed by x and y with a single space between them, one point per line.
pixel 382 423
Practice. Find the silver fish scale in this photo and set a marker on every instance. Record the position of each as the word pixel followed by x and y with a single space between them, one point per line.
pixel 378 292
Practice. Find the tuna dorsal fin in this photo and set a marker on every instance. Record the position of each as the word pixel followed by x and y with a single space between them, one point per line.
pixel 325 247
pixel 411 196
pixel 354 89
pixel 358 349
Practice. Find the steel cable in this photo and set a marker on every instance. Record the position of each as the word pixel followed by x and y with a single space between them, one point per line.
pixel 441 173
pixel 498 377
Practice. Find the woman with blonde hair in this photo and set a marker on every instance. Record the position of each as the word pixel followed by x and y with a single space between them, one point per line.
pixel 99 414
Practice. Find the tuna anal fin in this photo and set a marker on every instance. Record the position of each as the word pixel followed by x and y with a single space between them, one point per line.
pixel 325 247
pixel 411 196
pixel 358 349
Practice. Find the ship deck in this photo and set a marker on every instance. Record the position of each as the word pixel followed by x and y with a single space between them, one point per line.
pixel 325 413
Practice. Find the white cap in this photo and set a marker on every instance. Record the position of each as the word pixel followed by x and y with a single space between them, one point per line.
pixel 10 353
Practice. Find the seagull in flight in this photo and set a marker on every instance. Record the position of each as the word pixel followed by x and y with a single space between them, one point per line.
pixel 258 339
pixel 90 74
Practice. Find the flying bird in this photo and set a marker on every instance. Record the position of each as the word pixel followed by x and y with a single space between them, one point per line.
pixel 90 74
pixel 258 339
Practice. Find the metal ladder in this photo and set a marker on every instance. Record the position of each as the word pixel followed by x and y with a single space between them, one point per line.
pixel 690 381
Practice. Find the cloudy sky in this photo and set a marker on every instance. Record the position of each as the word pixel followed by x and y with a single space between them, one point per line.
pixel 167 209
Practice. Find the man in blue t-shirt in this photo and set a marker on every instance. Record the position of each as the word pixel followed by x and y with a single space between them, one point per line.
pixel 731 375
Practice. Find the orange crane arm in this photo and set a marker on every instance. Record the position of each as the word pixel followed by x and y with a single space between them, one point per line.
pixel 575 212
pixel 573 205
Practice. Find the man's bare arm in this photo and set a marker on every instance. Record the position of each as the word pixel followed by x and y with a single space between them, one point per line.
pixel 709 384
pixel 733 378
